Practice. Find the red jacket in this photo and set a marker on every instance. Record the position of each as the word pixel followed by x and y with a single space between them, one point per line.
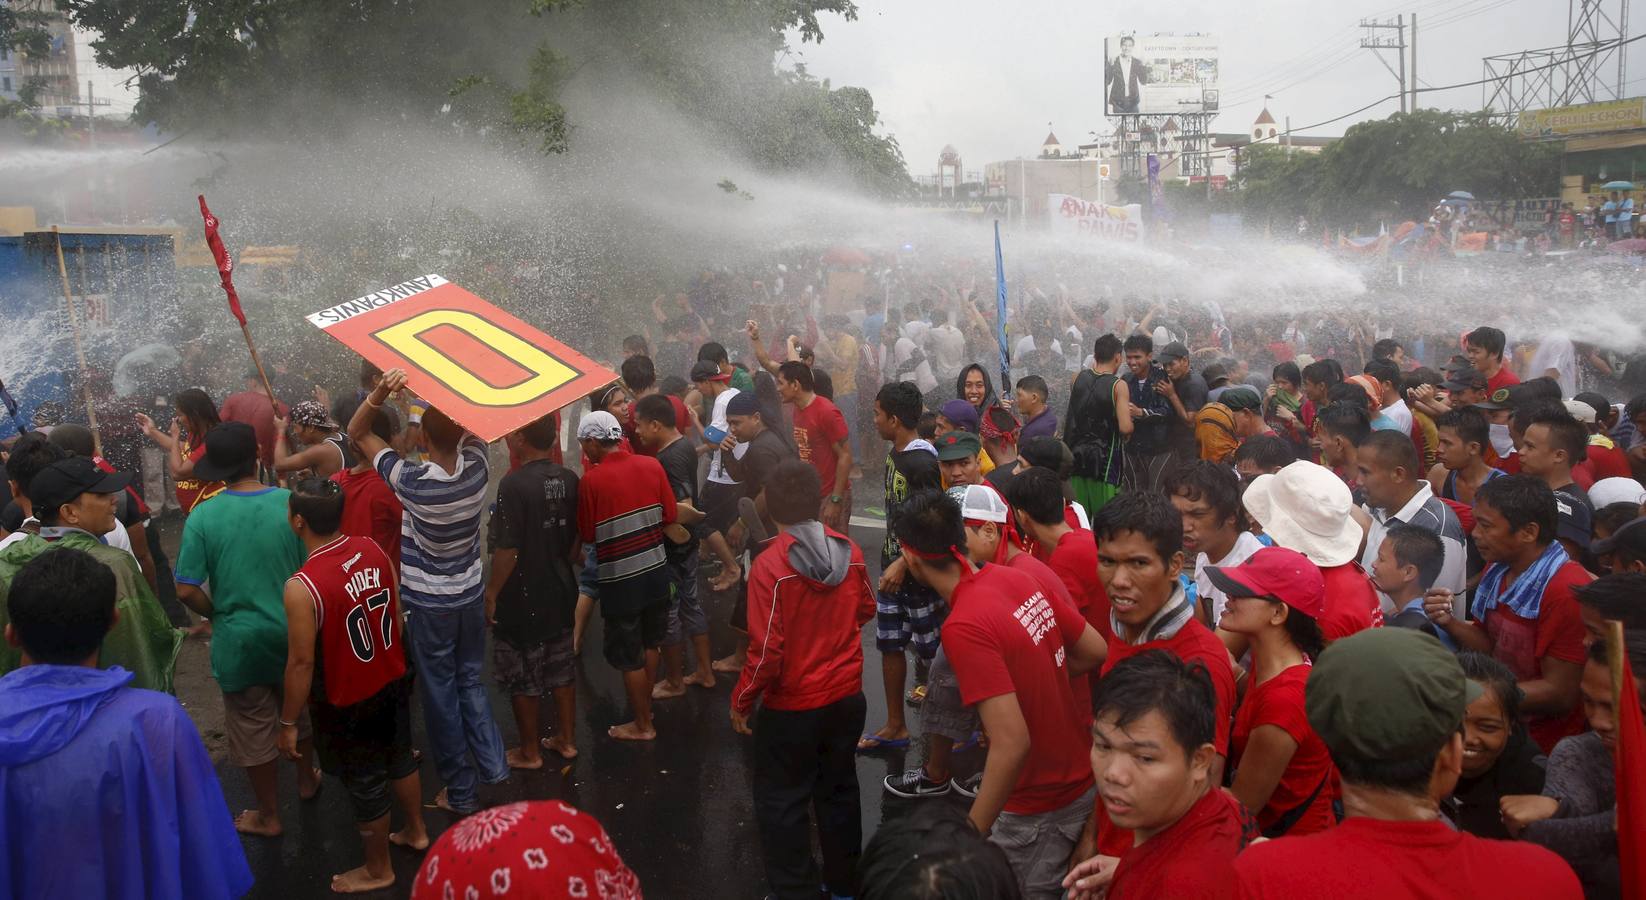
pixel 805 633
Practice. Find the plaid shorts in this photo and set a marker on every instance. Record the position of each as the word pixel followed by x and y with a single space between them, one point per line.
pixel 911 615
pixel 535 669
pixel 944 712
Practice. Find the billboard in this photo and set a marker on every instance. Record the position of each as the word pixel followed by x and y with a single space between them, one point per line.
pixel 1159 74
pixel 1588 118
pixel 1071 215
pixel 487 370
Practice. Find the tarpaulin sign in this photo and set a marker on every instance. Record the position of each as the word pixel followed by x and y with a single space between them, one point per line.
pixel 489 371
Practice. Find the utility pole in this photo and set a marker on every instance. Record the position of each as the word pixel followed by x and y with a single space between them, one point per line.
pixel 1414 62
pixel 1375 42
pixel 91 114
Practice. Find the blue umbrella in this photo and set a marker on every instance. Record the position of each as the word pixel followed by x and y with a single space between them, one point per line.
pixel 1618 186
pixel 1460 195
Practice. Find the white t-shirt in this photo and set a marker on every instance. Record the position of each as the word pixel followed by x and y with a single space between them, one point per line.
pixel 1556 352
pixel 946 347
pixel 1401 415
pixel 717 419
pixel 1244 546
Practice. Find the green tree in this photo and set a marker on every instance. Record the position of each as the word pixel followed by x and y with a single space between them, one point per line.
pixel 1395 168
pixel 310 69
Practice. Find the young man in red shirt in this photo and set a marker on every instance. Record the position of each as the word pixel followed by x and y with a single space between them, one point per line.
pixel 1484 346
pixel 623 503
pixel 1524 612
pixel 1152 754
pixel 809 597
pixel 370 508
pixel 1389 705
pixel 1013 650
pixel 821 437
pixel 1036 496
pixel 1304 507
pixel 1139 556
pixel 343 618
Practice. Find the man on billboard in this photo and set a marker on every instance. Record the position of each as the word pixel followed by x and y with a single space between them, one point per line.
pixel 1126 77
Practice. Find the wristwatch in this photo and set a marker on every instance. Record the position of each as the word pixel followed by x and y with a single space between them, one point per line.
pixel 835 498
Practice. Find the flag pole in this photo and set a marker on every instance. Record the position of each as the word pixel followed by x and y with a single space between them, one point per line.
pixel 79 346
pixel 225 269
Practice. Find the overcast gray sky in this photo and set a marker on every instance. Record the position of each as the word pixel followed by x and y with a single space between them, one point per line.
pixel 988 75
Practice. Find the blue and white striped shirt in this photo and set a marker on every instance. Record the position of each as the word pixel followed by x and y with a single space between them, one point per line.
pixel 440 528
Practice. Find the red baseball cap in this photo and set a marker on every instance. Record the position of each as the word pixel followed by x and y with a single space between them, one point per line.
pixel 1278 574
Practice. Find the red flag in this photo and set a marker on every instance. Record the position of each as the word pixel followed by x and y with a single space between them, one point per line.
pixel 1631 775
pixel 225 264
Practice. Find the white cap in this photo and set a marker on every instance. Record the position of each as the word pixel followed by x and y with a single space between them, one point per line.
pixel 599 425
pixel 1616 489
pixel 1581 411
pixel 980 503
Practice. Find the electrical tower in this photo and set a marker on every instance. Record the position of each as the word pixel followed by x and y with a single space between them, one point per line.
pixel 1375 42
pixel 1588 68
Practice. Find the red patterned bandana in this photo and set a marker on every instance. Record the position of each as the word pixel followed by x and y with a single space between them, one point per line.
pixel 543 848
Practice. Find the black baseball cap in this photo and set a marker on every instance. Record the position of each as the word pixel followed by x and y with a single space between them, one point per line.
pixel 65 480
pixel 707 370
pixel 1630 536
pixel 229 448
pixel 1242 397
pixel 1465 379
pixel 1174 350
pixel 1503 398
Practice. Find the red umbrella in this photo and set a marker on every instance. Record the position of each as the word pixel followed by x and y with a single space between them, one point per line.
pixel 1632 245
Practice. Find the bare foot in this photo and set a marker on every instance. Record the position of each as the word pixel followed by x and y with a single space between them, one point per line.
pixel 728 664
pixel 405 838
pixel 358 881
pixel 557 744
pixel 665 691
pixel 517 759
pixel 308 787
pixel 441 802
pixel 253 822
pixel 727 579
pixel 628 731
pixel 702 679
pixel 201 629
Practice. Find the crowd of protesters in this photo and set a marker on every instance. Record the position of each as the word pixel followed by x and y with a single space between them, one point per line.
pixel 1177 609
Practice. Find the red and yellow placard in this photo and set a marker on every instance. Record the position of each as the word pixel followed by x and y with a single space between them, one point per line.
pixel 489 371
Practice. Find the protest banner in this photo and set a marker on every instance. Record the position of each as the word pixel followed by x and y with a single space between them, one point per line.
pixel 487 370
pixel 1071 215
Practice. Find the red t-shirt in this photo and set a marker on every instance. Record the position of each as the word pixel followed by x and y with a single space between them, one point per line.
pixel 1279 702
pixel 1521 644
pixel 357 613
pixel 1601 462
pixel 1006 635
pixel 1194 857
pixel 817 428
pixel 1074 559
pixel 371 510
pixel 1373 859
pixel 1054 587
pixel 1193 642
pixel 1502 379
pixel 1351 602
pixel 191 491
pixel 252 408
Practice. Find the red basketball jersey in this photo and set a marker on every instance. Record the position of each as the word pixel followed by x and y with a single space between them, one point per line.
pixel 357 609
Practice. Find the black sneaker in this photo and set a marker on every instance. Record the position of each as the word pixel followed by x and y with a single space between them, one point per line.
pixel 914 784
pixel 967 787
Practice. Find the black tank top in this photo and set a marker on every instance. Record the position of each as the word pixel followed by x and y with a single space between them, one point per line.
pixel 1092 426
pixel 342 444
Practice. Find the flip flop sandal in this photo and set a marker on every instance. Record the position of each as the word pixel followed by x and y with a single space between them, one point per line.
pixel 916 696
pixel 875 742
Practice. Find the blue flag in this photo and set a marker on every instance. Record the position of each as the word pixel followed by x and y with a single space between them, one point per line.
pixel 1000 312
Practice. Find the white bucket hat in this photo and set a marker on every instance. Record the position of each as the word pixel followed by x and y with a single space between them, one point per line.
pixel 1305 507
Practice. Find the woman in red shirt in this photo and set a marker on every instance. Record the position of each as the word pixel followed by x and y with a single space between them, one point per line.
pixel 186 443
pixel 1282 770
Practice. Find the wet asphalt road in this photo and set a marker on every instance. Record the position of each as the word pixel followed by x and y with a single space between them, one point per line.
pixel 679 809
